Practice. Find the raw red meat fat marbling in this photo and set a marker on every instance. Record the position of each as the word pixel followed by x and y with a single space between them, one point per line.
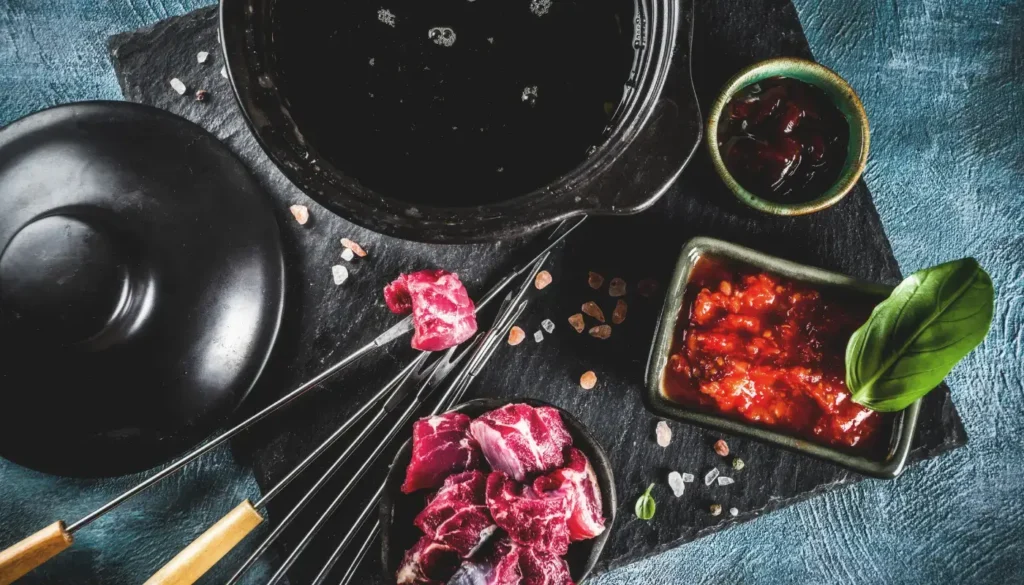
pixel 521 440
pixel 443 315
pixel 441 446
pixel 457 515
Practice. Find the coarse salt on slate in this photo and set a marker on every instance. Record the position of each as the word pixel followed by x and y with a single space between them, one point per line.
pixel 675 481
pixel 711 476
pixel 663 433
pixel 538 336
pixel 178 86
pixel 548 325
pixel 224 72
pixel 347 255
pixel 688 477
pixel 340 273
pixel 726 480
pixel 202 56
pixel 734 512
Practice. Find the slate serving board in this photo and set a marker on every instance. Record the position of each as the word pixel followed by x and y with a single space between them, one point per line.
pixel 323 321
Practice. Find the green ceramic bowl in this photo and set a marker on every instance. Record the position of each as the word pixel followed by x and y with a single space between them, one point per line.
pixel 845 99
pixel 889 460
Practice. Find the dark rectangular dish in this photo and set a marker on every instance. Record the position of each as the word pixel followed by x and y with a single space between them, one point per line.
pixel 903 424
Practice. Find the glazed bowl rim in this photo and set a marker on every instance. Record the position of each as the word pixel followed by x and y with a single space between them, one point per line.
pixel 842 94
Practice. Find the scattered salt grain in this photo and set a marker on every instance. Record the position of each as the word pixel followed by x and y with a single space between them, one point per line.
pixel 601 331
pixel 721 447
pixel 688 478
pixel 540 7
pixel 591 308
pixel 716 509
pixel 675 481
pixel 516 335
pixel 577 322
pixel 595 280
pixel 722 480
pixel 538 336
pixel 588 380
pixel 356 248
pixel 224 72
pixel 734 512
pixel 178 86
pixel 711 476
pixel 340 273
pixel 663 433
pixel 617 287
pixel 201 95
pixel 300 212
pixel 548 325
pixel 347 254
pixel 542 279
pixel 619 314
pixel 202 56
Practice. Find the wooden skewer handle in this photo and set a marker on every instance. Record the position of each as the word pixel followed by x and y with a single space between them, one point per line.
pixel 197 558
pixel 35 550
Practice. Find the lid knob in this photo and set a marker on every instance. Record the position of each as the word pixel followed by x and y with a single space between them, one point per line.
pixel 63 280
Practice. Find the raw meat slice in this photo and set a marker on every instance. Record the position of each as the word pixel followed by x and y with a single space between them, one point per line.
pixel 541 568
pixel 427 563
pixel 443 315
pixel 520 440
pixel 441 446
pixel 537 521
pixel 457 516
pixel 499 567
pixel 578 482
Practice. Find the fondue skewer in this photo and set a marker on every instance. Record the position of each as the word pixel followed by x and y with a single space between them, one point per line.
pixel 197 558
pixel 40 547
pixel 452 397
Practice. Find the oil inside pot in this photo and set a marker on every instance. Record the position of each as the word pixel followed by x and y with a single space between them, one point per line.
pixel 454 102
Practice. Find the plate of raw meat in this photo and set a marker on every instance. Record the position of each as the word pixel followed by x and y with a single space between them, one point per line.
pixel 497 493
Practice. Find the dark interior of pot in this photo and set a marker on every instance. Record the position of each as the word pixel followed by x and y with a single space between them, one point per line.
pixel 454 103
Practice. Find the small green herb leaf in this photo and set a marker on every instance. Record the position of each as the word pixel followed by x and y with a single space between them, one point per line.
pixel 645 505
pixel 914 338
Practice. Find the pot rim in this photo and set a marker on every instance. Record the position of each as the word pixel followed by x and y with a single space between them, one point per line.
pixel 645 134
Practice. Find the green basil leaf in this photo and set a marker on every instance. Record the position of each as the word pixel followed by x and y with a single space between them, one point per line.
pixel 645 505
pixel 914 338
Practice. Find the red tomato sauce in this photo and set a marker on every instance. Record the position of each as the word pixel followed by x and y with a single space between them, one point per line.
pixel 761 348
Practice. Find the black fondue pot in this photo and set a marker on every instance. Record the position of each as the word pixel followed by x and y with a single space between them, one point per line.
pixel 651 135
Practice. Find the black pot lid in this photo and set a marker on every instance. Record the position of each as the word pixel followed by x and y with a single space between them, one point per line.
pixel 141 287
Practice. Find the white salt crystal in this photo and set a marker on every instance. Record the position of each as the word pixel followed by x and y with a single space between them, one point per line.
pixel 202 56
pixel 675 481
pixel 734 512
pixel 340 273
pixel 224 72
pixel 347 255
pixel 726 480
pixel 548 325
pixel 710 477
pixel 688 477
pixel 386 16
pixel 663 433
pixel 178 86
pixel 538 336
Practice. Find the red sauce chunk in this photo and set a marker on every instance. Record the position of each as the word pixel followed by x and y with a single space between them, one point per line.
pixel 783 140
pixel 761 348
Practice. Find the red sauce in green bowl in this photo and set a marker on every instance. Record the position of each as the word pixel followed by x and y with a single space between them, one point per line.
pixel 757 347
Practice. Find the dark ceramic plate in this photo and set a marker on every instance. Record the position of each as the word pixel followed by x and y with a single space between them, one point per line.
pixel 888 464
pixel 397 510
pixel 141 287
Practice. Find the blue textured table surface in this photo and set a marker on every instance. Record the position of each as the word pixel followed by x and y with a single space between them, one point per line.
pixel 941 80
